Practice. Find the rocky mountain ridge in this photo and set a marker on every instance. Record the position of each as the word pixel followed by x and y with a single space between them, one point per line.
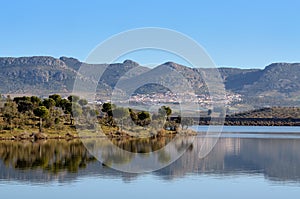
pixel 44 74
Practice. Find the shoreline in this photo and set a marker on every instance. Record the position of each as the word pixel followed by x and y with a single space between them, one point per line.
pixel 230 121
pixel 24 136
pixel 74 135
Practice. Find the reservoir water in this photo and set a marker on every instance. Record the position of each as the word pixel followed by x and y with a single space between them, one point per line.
pixel 246 162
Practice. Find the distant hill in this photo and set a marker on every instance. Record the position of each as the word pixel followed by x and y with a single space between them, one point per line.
pixel 268 116
pixel 270 112
pixel 44 74
pixel 35 75
pixel 279 77
pixel 276 84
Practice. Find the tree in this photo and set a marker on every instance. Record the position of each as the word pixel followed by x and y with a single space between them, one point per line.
pixel 83 102
pixel 36 101
pixel 144 118
pixel 49 103
pixel 41 112
pixel 73 98
pixel 24 98
pixel 133 116
pixel 24 106
pixel 94 112
pixel 1 101
pixel 165 111
pixel 89 112
pixel 57 98
pixel 121 114
pixel 107 108
pixel 76 110
pixel 57 118
pixel 73 109
pixel 63 103
pixel 10 111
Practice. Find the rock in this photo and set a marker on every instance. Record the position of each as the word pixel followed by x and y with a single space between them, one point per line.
pixel 39 136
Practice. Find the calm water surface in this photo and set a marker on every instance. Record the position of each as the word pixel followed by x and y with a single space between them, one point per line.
pixel 265 164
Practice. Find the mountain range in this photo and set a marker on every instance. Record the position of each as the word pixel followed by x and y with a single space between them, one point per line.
pixel 276 84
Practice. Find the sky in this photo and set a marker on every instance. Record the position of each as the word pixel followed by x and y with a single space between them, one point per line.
pixel 240 33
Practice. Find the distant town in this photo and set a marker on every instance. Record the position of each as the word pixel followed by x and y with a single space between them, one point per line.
pixel 202 100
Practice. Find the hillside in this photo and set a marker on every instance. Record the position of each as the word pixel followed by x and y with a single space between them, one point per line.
pixel 273 116
pixel 276 84
pixel 272 112
pixel 42 74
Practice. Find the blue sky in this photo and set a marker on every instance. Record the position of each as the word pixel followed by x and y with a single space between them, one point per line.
pixel 248 34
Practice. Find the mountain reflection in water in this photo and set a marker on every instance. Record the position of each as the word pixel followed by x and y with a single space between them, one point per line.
pixel 65 161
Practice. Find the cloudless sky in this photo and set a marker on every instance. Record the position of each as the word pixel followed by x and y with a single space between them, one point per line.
pixel 239 33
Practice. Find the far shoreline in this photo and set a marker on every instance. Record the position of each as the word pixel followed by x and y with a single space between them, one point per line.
pixel 25 136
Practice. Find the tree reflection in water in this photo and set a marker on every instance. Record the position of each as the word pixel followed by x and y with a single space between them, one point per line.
pixel 61 155
pixel 137 153
pixel 52 155
pixel 276 159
